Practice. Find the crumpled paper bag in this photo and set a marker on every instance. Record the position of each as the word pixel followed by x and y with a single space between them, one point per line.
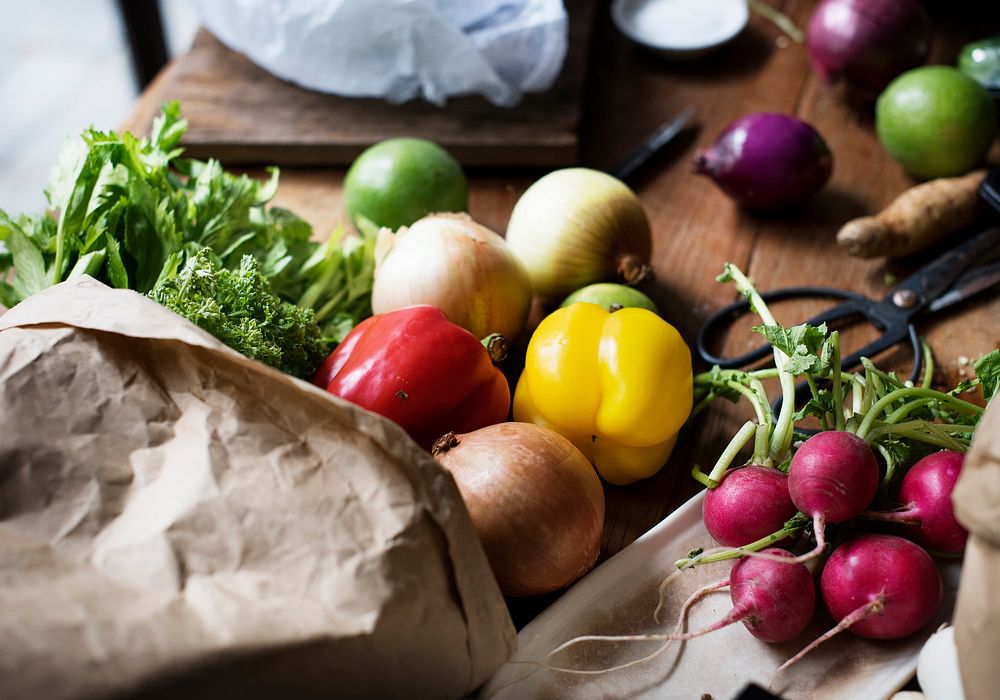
pixel 179 521
pixel 400 49
pixel 977 614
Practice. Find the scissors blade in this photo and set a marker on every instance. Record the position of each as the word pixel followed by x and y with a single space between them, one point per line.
pixel 970 283
pixel 650 146
pixel 931 281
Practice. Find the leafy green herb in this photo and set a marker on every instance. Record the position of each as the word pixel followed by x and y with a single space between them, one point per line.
pixel 988 373
pixel 805 346
pixel 820 405
pixel 131 213
pixel 238 308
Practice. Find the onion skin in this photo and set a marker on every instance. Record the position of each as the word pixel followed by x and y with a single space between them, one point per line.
pixel 577 226
pixel 867 43
pixel 535 501
pixel 459 266
pixel 767 161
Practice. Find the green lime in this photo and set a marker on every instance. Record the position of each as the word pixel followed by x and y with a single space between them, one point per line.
pixel 936 121
pixel 398 181
pixel 607 293
pixel 980 60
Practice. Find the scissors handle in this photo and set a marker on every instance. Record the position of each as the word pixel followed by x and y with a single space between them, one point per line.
pixel 886 341
pixel 852 305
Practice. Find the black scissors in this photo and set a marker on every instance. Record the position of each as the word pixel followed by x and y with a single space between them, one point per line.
pixel 953 277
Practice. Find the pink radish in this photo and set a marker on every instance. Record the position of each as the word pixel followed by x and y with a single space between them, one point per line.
pixel 879 587
pixel 928 514
pixel 889 585
pixel 750 503
pixel 774 601
pixel 833 477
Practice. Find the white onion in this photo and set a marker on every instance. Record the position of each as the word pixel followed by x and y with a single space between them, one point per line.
pixel 578 226
pixel 461 267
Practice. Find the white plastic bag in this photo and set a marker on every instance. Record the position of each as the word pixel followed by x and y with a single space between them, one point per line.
pixel 400 49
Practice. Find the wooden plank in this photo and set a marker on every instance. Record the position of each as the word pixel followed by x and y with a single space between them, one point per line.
pixel 239 113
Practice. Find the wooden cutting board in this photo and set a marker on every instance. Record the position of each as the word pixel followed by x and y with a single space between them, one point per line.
pixel 239 113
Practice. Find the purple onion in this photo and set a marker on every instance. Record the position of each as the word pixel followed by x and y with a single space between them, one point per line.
pixel 867 43
pixel 767 161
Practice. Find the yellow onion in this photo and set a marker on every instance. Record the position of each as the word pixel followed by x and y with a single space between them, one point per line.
pixel 535 502
pixel 461 267
pixel 578 226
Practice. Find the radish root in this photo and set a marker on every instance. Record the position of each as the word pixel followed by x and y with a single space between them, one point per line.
pixel 688 563
pixel 856 615
pixel 668 638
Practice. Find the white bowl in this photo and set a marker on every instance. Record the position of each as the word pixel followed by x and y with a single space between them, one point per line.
pixel 680 28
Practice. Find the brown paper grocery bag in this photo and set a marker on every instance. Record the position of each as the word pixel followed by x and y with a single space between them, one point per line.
pixel 977 614
pixel 179 521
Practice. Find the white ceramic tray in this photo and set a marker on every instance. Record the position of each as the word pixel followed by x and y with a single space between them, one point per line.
pixel 618 598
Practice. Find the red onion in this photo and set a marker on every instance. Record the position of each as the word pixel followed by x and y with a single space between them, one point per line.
pixel 767 161
pixel 867 42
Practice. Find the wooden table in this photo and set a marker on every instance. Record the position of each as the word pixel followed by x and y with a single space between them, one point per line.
pixel 696 228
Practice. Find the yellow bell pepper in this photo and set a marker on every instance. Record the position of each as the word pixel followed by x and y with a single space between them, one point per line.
pixel 617 385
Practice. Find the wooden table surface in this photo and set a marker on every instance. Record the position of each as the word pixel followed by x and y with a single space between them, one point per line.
pixel 696 228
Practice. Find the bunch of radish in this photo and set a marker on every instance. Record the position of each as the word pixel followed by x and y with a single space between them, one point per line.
pixel 858 484
pixel 880 586
pixel 868 495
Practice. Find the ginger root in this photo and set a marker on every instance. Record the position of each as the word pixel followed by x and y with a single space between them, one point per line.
pixel 916 219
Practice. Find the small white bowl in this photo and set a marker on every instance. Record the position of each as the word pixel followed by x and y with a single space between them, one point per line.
pixel 680 28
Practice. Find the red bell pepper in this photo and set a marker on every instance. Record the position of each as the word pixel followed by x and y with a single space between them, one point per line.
pixel 420 370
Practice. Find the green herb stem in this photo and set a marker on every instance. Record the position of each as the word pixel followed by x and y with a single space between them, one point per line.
pixel 761 444
pixel 928 364
pixel 738 442
pixel 906 409
pixel 793 528
pixel 857 394
pixel 702 405
pixel 890 465
pixel 760 407
pixel 838 394
pixel 701 477
pixel 781 437
pixel 767 373
pixel 932 433
pixel 889 399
